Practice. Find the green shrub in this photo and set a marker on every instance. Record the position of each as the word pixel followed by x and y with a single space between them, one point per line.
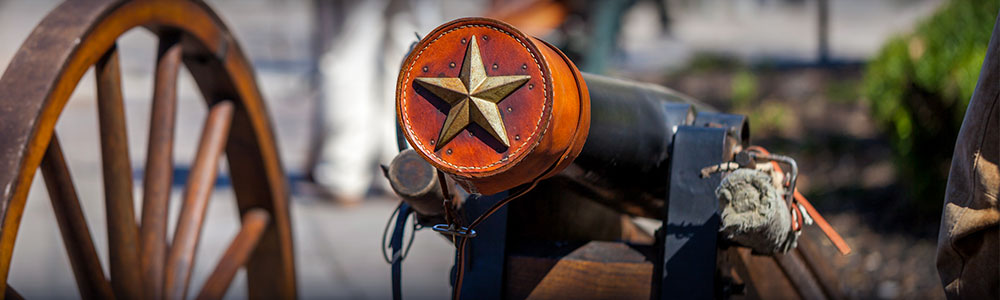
pixel 919 86
pixel 743 89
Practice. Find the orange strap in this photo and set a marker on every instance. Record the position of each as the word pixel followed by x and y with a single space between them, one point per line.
pixel 821 222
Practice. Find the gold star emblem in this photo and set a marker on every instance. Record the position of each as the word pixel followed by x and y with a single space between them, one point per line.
pixel 473 97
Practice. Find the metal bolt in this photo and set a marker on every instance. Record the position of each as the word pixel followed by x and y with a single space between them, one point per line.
pixel 495 66
pixel 432 142
pixel 485 38
pixel 510 109
pixel 517 137
pixel 463 41
pixel 531 86
pixel 449 151
pixel 524 67
pixel 451 65
pixel 425 69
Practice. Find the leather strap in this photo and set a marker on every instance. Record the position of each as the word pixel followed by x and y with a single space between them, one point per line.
pixel 832 234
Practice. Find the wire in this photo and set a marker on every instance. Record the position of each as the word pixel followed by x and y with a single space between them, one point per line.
pixel 385 233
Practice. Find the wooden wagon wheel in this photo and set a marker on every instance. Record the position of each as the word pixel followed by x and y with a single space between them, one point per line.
pixel 35 88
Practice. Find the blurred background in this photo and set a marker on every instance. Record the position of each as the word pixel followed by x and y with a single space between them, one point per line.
pixel 867 95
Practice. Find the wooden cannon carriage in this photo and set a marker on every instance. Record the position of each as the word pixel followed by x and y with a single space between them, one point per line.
pixel 144 262
pixel 496 117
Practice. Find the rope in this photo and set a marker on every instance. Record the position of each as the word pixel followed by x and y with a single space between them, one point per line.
pixel 799 199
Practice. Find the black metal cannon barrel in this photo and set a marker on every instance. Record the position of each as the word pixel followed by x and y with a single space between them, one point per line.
pixel 625 158
pixel 631 125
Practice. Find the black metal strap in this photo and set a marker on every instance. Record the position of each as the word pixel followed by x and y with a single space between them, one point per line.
pixel 690 217
pixel 396 244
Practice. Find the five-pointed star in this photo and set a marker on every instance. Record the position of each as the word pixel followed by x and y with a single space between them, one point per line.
pixel 473 97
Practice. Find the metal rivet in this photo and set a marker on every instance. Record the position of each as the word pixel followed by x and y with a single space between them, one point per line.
pixel 432 142
pixel 485 38
pixel 509 109
pixel 449 151
pixel 463 41
pixel 517 137
pixel 524 67
pixel 425 69
pixel 451 65
pixel 495 66
pixel 531 86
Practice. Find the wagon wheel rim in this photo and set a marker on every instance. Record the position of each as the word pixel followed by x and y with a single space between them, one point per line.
pixel 35 88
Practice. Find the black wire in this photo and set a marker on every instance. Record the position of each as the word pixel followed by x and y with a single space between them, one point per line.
pixel 413 235
pixel 385 233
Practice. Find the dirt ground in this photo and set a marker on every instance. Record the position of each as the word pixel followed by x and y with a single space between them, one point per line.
pixel 817 115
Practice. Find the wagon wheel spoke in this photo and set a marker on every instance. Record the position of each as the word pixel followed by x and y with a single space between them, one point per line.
pixel 75 233
pixel 254 223
pixel 199 187
pixel 123 233
pixel 159 166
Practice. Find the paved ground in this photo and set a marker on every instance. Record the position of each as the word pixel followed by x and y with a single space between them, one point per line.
pixel 337 248
pixel 766 30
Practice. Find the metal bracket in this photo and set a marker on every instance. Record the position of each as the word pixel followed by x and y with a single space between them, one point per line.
pixel 691 221
pixel 451 229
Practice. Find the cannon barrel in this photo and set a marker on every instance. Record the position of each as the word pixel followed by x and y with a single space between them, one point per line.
pixel 631 129
pixel 624 161
pixel 632 126
pixel 495 109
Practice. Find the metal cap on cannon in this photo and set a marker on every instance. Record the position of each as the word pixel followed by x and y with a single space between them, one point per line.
pixel 491 107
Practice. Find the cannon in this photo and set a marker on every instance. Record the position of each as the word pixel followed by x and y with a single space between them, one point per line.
pixel 537 171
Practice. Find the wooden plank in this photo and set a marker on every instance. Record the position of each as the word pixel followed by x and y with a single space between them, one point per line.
pixel 597 270
pixel 820 266
pixel 236 255
pixel 87 270
pixel 159 167
pixel 123 234
pixel 578 279
pixel 181 258
pixel 800 276
pixel 763 277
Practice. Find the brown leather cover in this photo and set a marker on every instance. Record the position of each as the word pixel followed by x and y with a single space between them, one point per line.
pixel 545 118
